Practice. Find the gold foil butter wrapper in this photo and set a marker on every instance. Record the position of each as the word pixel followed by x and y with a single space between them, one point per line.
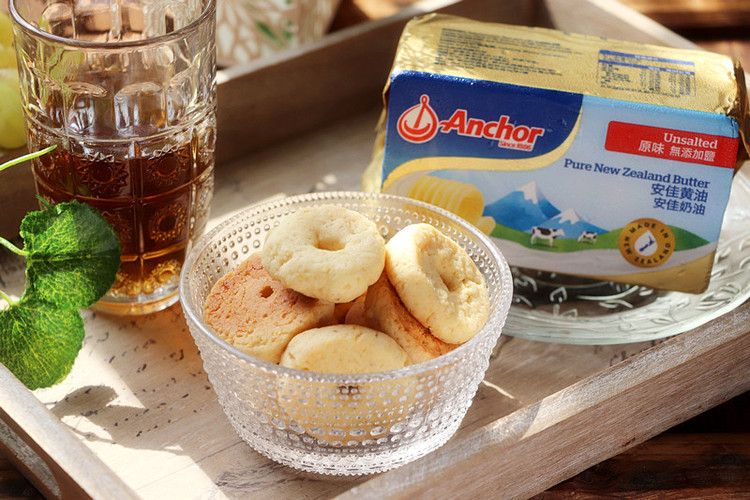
pixel 578 155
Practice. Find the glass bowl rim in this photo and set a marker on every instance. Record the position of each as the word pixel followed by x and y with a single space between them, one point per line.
pixel 497 315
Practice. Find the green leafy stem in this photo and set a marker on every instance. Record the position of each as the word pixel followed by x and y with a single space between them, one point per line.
pixel 27 157
pixel 6 297
pixel 7 244
pixel 10 246
pixel 72 256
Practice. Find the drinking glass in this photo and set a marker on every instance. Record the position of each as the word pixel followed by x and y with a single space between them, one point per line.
pixel 126 89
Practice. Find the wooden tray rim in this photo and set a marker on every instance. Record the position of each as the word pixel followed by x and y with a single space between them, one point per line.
pixel 483 454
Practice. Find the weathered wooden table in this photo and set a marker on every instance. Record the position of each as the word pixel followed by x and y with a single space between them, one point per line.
pixel 137 417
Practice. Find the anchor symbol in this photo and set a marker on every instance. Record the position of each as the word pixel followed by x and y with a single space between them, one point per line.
pixel 418 123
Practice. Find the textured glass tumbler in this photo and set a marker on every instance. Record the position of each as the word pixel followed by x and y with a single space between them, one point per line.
pixel 342 424
pixel 126 90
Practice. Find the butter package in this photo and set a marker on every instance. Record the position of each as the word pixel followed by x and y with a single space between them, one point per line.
pixel 578 155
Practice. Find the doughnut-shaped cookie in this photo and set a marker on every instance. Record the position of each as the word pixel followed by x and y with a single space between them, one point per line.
pixel 384 311
pixel 327 252
pixel 343 349
pixel 257 314
pixel 438 282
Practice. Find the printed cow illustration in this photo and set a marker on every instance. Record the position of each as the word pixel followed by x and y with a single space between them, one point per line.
pixel 587 236
pixel 545 233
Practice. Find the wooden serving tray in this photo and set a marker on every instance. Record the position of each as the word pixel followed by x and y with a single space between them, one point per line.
pixel 138 418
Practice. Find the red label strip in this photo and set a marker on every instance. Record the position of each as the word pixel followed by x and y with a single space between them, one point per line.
pixel 656 142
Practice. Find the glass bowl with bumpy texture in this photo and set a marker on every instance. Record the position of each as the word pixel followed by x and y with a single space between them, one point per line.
pixel 335 423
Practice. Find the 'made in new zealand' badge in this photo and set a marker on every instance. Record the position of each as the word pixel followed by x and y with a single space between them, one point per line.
pixel 646 242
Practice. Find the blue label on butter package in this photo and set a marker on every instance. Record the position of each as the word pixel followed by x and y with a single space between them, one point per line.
pixel 444 116
pixel 563 178
pixel 578 155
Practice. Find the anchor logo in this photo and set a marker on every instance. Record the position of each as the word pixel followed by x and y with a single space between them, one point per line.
pixel 419 123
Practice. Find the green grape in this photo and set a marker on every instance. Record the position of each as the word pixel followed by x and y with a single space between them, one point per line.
pixel 7 53
pixel 12 131
pixel 7 58
pixel 6 31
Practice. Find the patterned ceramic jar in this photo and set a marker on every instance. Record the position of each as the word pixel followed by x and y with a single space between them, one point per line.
pixel 250 29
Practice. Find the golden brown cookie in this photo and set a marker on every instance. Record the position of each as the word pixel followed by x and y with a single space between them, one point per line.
pixel 258 315
pixel 341 311
pixel 328 252
pixel 356 313
pixel 383 310
pixel 438 282
pixel 343 349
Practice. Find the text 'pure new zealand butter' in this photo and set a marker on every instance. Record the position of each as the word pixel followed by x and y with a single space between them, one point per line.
pixel 578 155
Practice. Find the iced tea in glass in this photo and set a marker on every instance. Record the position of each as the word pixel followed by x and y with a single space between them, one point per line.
pixel 126 89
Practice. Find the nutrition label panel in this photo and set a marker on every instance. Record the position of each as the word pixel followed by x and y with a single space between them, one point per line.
pixel 646 74
pixel 470 51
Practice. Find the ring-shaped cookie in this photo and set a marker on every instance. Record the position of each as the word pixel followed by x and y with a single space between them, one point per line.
pixel 438 282
pixel 343 349
pixel 327 252
pixel 257 314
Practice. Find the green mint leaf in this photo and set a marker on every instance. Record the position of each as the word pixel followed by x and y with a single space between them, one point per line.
pixel 39 342
pixel 73 255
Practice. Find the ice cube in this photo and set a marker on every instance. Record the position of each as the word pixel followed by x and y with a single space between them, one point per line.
pixel 85 107
pixel 92 19
pixel 154 20
pixel 57 19
pixel 139 109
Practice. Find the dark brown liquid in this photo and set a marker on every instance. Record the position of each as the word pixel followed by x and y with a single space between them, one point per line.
pixel 157 201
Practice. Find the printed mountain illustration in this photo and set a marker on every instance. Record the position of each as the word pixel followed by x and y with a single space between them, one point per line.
pixel 571 223
pixel 522 209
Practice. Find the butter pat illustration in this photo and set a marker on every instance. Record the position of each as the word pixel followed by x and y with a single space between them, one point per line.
pixel 578 155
